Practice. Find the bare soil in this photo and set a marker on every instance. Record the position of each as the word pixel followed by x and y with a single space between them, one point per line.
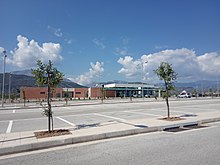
pixel 172 118
pixel 45 134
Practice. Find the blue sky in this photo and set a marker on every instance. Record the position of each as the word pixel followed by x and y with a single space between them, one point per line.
pixel 101 40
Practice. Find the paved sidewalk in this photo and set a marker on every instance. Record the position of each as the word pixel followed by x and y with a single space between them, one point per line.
pixel 31 105
pixel 26 141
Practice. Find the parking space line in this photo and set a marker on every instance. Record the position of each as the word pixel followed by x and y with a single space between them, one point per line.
pixel 172 111
pixel 42 118
pixel 88 114
pixel 66 121
pixel 111 117
pixel 9 126
pixel 146 114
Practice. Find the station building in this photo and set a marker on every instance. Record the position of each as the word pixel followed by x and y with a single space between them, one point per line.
pixel 106 91
pixel 133 90
pixel 31 93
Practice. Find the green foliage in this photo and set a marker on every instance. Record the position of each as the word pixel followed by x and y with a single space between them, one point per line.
pixel 46 72
pixel 47 75
pixel 166 73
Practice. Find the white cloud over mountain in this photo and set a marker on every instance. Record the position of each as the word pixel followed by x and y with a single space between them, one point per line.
pixel 185 62
pixel 95 71
pixel 28 52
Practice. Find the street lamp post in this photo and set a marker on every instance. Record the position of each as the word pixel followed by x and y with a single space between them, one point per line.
pixel 142 77
pixel 3 79
pixel 217 85
pixel 9 88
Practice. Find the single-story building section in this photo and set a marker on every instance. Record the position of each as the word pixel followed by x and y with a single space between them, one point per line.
pixel 133 90
pixel 106 91
pixel 31 93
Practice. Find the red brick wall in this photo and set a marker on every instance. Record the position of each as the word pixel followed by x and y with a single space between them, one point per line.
pixel 110 93
pixel 95 92
pixel 80 92
pixel 39 93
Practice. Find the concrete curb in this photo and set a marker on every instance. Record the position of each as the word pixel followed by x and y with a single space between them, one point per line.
pixel 74 140
pixel 181 125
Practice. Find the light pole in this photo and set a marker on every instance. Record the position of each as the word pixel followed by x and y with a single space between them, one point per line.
pixel 142 77
pixel 9 87
pixel 3 79
pixel 217 85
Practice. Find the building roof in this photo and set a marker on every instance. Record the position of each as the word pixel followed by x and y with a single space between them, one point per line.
pixel 138 85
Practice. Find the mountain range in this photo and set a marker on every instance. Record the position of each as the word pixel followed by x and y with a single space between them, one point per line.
pixel 25 78
pixel 20 80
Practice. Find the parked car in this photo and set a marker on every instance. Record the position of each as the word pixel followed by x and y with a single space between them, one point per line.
pixel 184 94
pixel 147 96
pixel 137 95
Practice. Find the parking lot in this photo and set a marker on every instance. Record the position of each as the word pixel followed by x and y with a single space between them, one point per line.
pixel 91 115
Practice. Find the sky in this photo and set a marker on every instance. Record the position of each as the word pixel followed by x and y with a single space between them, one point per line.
pixel 106 40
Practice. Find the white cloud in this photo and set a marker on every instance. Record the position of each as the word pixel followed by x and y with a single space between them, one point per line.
pixel 1 49
pixel 131 67
pixel 95 71
pixel 27 53
pixel 1 53
pixel 125 40
pixel 122 51
pixel 99 43
pixel 68 41
pixel 56 31
pixel 161 47
pixel 186 63
pixel 209 63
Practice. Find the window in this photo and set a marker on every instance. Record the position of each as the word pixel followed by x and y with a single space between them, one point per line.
pixel 42 93
pixel 78 92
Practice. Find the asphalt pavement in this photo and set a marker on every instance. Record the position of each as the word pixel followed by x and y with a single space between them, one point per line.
pixel 193 146
pixel 99 121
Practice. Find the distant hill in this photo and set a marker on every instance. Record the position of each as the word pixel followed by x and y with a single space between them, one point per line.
pixel 18 81
pixel 202 85
pixel 26 72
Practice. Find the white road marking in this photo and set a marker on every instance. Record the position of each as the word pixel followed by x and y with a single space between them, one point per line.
pixel 44 118
pixel 111 117
pixel 66 107
pixel 160 110
pixel 88 114
pixel 66 121
pixel 9 126
pixel 13 111
pixel 146 114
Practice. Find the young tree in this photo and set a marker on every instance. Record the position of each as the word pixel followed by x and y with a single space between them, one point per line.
pixel 47 75
pixel 166 73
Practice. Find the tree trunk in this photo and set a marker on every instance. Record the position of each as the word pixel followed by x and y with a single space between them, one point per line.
pixel 52 121
pixel 48 104
pixel 24 97
pixel 102 93
pixel 49 109
pixel 167 100
pixel 168 107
